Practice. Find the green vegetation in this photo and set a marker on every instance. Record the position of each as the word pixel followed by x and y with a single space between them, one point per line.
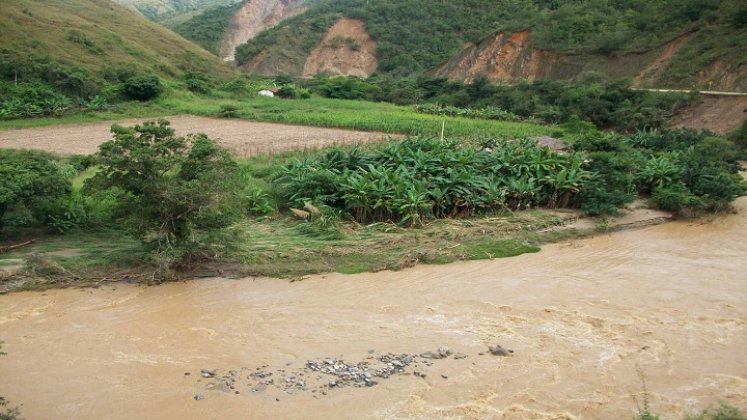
pixel 487 113
pixel 607 104
pixel 172 10
pixel 356 115
pixel 54 61
pixel 33 183
pixel 142 88
pixel 684 171
pixel 414 37
pixel 209 27
pixel 722 412
pixel 160 202
pixel 412 181
pixel 172 188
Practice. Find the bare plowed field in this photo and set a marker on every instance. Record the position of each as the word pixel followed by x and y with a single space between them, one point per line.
pixel 244 138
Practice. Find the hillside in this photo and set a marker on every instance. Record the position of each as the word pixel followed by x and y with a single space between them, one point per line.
pixel 172 10
pixel 222 29
pixel 674 43
pixel 97 38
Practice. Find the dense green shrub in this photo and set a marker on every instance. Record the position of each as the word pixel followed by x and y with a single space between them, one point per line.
pixel 684 171
pixel 347 88
pixel 197 82
pixel 32 184
pixel 291 91
pixel 675 198
pixel 143 88
pixel 177 186
pixel 599 201
pixel 418 179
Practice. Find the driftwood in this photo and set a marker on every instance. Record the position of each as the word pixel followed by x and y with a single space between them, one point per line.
pixel 4 249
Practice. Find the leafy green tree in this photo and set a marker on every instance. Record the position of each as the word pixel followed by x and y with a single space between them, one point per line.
pixel 178 186
pixel 31 182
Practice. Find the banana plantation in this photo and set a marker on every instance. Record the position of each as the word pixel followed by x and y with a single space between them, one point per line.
pixel 418 179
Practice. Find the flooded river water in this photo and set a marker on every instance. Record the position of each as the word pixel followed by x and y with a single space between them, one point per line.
pixel 583 318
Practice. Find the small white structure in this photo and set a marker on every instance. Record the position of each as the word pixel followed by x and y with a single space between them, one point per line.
pixel 267 93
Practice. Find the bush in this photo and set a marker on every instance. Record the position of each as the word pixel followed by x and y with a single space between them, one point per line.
pixel 676 198
pixel 197 82
pixel 598 201
pixel 347 88
pixel 32 184
pixel 177 186
pixel 293 92
pixel 143 88
pixel 228 111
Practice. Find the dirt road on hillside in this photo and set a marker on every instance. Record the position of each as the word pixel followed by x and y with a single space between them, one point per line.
pixel 244 138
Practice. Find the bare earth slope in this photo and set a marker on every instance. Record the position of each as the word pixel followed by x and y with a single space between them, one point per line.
pixel 254 17
pixel 242 137
pixel 582 318
pixel 346 50
pixel 510 57
pixel 720 114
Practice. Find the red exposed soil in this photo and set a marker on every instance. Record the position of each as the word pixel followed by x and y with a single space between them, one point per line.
pixel 656 67
pixel 346 50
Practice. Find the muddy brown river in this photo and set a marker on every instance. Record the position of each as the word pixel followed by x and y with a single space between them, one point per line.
pixel 583 318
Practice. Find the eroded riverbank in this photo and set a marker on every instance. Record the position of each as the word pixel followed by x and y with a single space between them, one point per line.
pixel 582 317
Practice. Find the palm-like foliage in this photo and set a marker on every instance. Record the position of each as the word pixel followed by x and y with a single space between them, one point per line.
pixel 411 181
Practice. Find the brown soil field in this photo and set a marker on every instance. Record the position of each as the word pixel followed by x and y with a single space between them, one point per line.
pixel 243 138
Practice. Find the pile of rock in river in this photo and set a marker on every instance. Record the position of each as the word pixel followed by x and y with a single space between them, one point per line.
pixel 323 375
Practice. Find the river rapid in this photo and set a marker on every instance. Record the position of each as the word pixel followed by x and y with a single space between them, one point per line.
pixel 585 319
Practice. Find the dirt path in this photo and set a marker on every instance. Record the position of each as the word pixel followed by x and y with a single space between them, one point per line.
pixel 244 138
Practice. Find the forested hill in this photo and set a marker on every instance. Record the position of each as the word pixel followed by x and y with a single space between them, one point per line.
pixel 175 11
pixel 417 36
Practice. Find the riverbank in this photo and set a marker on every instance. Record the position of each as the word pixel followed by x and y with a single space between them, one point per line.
pixel 583 317
pixel 276 248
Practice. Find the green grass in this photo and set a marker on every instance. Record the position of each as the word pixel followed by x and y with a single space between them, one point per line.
pixel 355 115
pixel 112 36
pixel 276 247
pixel 317 111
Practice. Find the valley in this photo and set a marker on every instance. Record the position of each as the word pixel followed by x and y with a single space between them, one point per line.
pixel 504 209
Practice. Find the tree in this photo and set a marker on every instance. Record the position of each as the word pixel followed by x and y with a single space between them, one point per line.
pixel 178 186
pixel 31 180
pixel 143 88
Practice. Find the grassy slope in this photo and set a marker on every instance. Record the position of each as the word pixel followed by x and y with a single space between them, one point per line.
pixel 208 28
pixel 117 35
